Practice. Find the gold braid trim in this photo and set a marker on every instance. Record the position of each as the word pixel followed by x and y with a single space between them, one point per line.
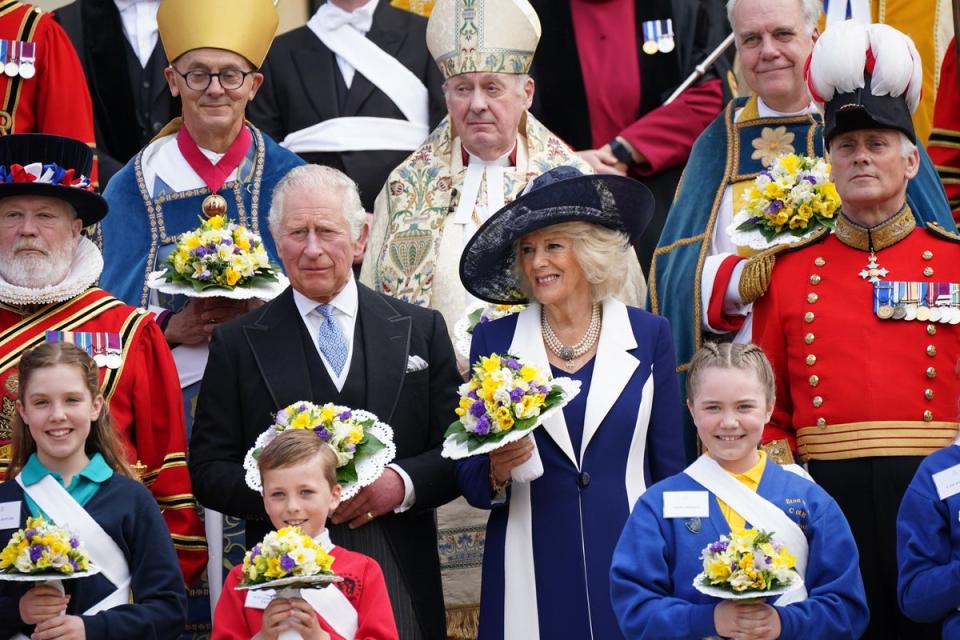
pixel 779 451
pixel 758 271
pixel 940 232
pixel 463 623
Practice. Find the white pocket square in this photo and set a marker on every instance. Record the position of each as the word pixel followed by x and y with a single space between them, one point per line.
pixel 416 363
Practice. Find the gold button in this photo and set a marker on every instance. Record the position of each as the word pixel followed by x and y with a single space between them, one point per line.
pixel 932 329
pixel 811 360
pixel 928 271
pixel 815 279
pixel 931 372
pixel 812 297
pixel 814 381
pixel 817 401
pixel 820 262
pixel 808 338
pixel 808 317
pixel 822 423
pixel 931 350
pixel 927 415
pixel 927 255
pixel 928 394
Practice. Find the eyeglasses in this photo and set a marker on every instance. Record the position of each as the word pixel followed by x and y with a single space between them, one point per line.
pixel 199 80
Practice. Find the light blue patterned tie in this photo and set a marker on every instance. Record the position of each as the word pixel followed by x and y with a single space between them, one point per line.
pixel 333 345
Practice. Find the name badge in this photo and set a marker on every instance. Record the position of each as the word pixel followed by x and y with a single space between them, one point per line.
pixel 259 598
pixel 947 482
pixel 686 504
pixel 10 515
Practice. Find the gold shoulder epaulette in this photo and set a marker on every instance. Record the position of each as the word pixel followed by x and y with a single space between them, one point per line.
pixel 940 232
pixel 759 268
pixel 779 451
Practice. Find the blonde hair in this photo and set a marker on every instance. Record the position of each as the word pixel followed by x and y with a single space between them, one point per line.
pixel 102 438
pixel 731 355
pixel 295 447
pixel 600 251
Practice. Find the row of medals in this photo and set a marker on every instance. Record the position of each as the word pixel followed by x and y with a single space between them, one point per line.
pixel 25 69
pixel 912 311
pixel 664 44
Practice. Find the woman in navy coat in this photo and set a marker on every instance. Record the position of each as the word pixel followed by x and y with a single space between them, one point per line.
pixel 563 246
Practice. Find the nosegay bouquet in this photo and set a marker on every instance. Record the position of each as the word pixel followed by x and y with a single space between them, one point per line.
pixel 43 548
pixel 787 201
pixel 219 254
pixel 286 553
pixel 748 563
pixel 363 444
pixel 503 401
pixel 479 313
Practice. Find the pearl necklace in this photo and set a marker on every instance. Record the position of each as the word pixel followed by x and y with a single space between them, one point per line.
pixel 569 355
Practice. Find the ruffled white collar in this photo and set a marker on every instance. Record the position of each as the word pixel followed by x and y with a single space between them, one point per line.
pixel 84 270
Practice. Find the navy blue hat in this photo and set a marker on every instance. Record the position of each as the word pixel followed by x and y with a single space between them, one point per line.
pixel 860 109
pixel 563 194
pixel 40 164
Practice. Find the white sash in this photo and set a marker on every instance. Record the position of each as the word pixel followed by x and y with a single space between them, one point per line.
pixel 386 73
pixel 57 503
pixel 756 510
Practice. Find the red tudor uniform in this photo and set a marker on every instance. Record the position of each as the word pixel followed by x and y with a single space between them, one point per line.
pixel 143 395
pixel 363 585
pixel 850 385
pixel 55 99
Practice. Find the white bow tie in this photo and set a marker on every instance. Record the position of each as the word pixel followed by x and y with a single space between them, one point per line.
pixel 333 17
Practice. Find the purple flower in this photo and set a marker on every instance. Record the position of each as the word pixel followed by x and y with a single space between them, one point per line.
pixel 255 552
pixel 484 319
pixel 29 533
pixel 513 364
pixel 718 547
pixel 227 241
pixel 346 415
pixel 287 563
pixel 472 394
pixel 516 395
pixel 322 433
pixel 36 552
pixel 350 447
pixel 766 174
pixel 74 564
pixel 478 409
pixel 303 407
pixel 774 206
pixel 74 543
pixel 810 179
pixel 482 426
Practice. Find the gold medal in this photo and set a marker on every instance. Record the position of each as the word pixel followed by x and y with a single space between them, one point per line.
pixel 650 47
pixel 214 205
pixel 885 312
pixel 923 314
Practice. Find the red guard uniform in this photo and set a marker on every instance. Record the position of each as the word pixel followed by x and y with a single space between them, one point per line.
pixel 143 395
pixel 55 98
pixel 944 144
pixel 363 585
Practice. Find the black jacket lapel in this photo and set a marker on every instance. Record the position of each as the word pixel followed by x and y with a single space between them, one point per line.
pixel 386 337
pixel 277 350
pixel 315 66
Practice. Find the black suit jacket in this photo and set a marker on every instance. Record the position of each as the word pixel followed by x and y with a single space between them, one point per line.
pixel 300 90
pixel 257 366
pixel 96 30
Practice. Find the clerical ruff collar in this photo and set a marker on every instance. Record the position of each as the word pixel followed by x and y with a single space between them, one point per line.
pixel 883 235
pixel 84 271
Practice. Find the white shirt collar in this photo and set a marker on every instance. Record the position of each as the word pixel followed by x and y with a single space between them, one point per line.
pixel 345 302
pixel 766 112
pixel 323 539
pixel 139 20
pixel 360 18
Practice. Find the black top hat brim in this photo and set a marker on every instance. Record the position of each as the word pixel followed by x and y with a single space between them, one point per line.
pixel 90 206
pixel 615 202
pixel 861 109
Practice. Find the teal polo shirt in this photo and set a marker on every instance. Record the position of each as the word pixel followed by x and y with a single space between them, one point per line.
pixel 83 486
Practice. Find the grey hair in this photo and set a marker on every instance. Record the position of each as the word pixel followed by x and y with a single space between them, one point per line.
pixel 601 252
pixel 906 147
pixel 810 9
pixel 318 178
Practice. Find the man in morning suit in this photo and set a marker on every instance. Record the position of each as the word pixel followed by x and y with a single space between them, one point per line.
pixel 354 89
pixel 329 339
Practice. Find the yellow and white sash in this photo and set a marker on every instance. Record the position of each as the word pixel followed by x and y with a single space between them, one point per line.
pixel 758 511
pixel 364 133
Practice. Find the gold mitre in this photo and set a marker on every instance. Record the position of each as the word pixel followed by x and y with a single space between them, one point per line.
pixel 497 36
pixel 245 27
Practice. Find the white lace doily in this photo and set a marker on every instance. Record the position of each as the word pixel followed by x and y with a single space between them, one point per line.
pixel 724 594
pixel 293 582
pixel 461 330
pixel 458 450
pixel 261 291
pixel 48 577
pixel 756 240
pixel 369 467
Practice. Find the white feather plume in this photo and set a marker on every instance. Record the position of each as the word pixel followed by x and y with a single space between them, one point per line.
pixel 838 58
pixel 898 70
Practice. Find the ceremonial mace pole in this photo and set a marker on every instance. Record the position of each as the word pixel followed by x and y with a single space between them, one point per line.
pixel 701 68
